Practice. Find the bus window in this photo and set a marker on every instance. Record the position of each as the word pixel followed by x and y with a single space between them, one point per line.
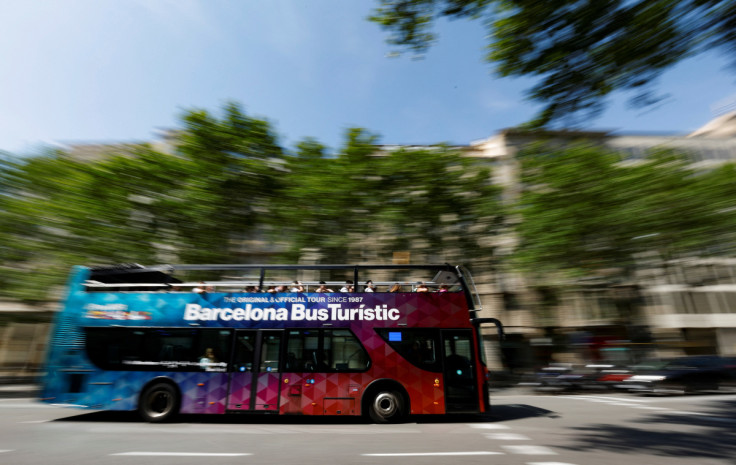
pixel 245 344
pixel 270 350
pixel 347 353
pixel 214 347
pixel 302 350
pixel 418 346
pixel 169 349
pixel 327 350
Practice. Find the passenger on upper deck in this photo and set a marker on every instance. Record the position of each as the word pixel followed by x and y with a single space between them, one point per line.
pixel 296 286
pixel 323 287
pixel 396 288
pixel 443 288
pixel 369 287
pixel 202 288
pixel 348 287
pixel 421 287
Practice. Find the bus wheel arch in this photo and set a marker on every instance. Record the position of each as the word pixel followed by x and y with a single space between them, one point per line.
pixel 385 401
pixel 159 401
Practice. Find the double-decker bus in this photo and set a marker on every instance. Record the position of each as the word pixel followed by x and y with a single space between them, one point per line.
pixel 384 341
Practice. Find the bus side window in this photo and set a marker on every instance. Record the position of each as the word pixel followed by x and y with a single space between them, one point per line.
pixel 347 353
pixel 418 346
pixel 301 346
pixel 270 352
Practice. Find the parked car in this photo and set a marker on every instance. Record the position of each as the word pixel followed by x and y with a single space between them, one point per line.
pixel 566 377
pixel 683 375
pixel 544 378
pixel 610 376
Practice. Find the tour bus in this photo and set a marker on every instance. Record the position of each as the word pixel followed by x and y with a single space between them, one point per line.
pixel 384 341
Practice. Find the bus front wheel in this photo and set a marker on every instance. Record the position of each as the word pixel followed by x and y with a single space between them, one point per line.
pixel 159 403
pixel 387 407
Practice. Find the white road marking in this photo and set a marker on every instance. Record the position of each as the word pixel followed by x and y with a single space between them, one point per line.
pixel 180 454
pixel 507 437
pixel 663 410
pixel 621 404
pixel 6 450
pixel 607 399
pixel 548 463
pixel 432 454
pixel 530 450
pixel 488 426
pixel 682 412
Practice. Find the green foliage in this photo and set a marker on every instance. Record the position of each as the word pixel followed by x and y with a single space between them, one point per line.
pixel 233 173
pixel 581 51
pixel 365 205
pixel 59 212
pixel 586 211
pixel 227 188
pixel 194 206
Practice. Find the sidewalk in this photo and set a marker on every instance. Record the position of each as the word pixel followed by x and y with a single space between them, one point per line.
pixel 14 384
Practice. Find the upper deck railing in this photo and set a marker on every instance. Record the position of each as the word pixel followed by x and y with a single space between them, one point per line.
pixel 252 278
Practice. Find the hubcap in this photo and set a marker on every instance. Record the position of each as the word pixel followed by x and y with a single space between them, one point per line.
pixel 385 404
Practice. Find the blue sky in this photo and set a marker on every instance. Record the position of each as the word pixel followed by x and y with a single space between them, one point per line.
pixel 116 71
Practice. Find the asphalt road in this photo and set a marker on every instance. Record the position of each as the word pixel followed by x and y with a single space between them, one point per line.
pixel 523 429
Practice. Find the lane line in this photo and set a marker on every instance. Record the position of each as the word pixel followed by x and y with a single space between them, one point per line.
pixel 432 454
pixel 6 450
pixel 530 450
pixel 682 412
pixel 662 410
pixel 607 399
pixel 180 454
pixel 507 437
pixel 548 463
pixel 488 426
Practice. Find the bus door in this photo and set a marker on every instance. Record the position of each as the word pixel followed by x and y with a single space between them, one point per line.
pixel 461 384
pixel 255 374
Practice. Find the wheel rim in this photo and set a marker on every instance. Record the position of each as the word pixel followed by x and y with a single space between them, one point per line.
pixel 386 404
pixel 159 403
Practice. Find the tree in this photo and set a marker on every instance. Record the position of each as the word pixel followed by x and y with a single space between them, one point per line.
pixel 236 166
pixel 227 181
pixel 58 211
pixel 366 203
pixel 581 51
pixel 195 205
pixel 585 212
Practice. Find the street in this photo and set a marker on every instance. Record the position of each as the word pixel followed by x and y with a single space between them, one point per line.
pixel 523 429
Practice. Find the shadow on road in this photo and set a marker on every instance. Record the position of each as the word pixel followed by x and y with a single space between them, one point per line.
pixel 707 434
pixel 498 413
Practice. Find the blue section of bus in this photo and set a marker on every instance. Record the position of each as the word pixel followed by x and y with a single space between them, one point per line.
pixel 201 392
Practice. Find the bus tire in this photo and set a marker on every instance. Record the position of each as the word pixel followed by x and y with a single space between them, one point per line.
pixel 386 407
pixel 159 402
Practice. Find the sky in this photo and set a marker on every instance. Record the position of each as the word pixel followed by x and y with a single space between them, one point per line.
pixel 100 71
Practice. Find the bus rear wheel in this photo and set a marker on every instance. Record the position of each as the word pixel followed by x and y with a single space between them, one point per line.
pixel 387 407
pixel 159 403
